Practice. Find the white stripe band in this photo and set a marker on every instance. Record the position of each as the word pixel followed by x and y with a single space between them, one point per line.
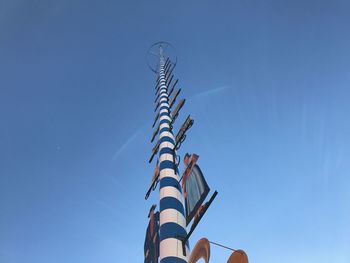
pixel 164 104
pixel 170 191
pixel 172 247
pixel 165 118
pixel 172 215
pixel 167 172
pixel 166 157
pixel 166 134
pixel 163 110
pixel 163 125
pixel 166 144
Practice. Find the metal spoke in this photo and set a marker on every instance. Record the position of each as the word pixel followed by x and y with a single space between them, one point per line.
pixel 153 53
pixel 164 48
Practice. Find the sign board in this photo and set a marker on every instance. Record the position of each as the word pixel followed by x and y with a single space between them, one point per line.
pixel 194 186
pixel 151 245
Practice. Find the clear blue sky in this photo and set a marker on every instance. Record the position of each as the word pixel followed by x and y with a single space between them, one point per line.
pixel 268 87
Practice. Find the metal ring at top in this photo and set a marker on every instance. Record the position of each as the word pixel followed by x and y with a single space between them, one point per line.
pixel 153 55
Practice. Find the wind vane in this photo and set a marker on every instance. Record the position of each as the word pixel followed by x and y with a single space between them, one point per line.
pixel 167 238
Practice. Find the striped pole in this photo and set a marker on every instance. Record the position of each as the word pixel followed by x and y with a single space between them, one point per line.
pixel 172 214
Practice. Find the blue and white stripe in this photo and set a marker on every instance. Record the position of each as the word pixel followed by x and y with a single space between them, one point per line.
pixel 172 214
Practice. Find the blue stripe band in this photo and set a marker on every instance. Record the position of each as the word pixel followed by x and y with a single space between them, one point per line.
pixel 166 150
pixel 164 121
pixel 172 260
pixel 171 230
pixel 166 164
pixel 171 203
pixel 170 181
pixel 167 139
pixel 164 114
pixel 165 129
pixel 163 108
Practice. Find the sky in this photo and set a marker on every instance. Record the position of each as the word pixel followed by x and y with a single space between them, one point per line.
pixel 267 83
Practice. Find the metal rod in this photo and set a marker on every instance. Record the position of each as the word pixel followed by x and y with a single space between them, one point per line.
pixel 156 107
pixel 168 83
pixel 173 99
pixel 157 98
pixel 195 223
pixel 171 71
pixel 222 246
pixel 167 62
pixel 172 88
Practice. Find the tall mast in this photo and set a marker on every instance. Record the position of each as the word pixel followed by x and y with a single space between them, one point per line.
pixel 172 214
pixel 166 232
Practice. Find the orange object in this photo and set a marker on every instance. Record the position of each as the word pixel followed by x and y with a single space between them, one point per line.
pixel 200 250
pixel 239 256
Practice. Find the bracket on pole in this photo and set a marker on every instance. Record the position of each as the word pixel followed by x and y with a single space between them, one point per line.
pixel 173 99
pixel 154 151
pixel 195 222
pixel 172 88
pixel 177 109
pixel 181 135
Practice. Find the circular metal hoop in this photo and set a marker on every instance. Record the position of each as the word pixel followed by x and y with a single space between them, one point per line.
pixel 153 55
